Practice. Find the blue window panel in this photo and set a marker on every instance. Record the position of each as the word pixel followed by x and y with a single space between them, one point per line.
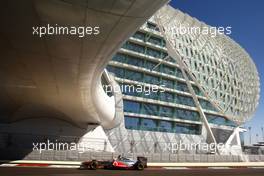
pixel 195 116
pixel 149 124
pixel 184 100
pixel 187 114
pixel 164 55
pixel 136 123
pixel 206 105
pixel 119 72
pixel 168 70
pixel 134 47
pixel 151 79
pixel 153 53
pixel 181 86
pixel 166 111
pixel 197 90
pixel 170 59
pixel 168 83
pixel 139 35
pixel 150 109
pixel 134 61
pixel 133 75
pixel 119 57
pixel 187 128
pixel 148 93
pixel 178 73
pixel 219 120
pixel 132 123
pixel 131 106
pixel 189 77
pixel 179 128
pixel 167 96
pixel 110 68
pixel 156 41
pixel 150 65
pixel 165 126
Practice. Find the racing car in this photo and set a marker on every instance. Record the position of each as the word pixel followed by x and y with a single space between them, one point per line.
pixel 119 163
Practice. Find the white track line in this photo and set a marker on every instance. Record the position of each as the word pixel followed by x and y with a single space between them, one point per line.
pixel 219 168
pixel 176 168
pixel 62 166
pixel 8 165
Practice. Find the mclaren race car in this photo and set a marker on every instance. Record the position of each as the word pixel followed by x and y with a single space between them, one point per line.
pixel 119 163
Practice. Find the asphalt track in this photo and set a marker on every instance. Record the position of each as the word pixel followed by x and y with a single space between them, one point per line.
pixel 31 171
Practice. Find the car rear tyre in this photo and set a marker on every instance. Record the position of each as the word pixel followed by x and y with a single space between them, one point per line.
pixel 93 165
pixel 140 166
pixel 82 167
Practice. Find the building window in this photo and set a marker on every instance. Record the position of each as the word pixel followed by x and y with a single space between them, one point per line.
pixel 131 106
pixel 136 123
pixel 150 65
pixel 187 128
pixel 150 109
pixel 168 70
pixel 156 41
pixel 153 53
pixel 119 72
pixel 166 96
pixel 178 73
pixel 151 79
pixel 215 119
pixel 184 100
pixel 149 124
pixel 139 35
pixel 167 82
pixel 181 86
pixel 187 114
pixel 197 91
pixel 166 126
pixel 206 105
pixel 134 61
pixel 166 111
pixel 120 58
pixel 132 123
pixel 148 93
pixel 133 75
pixel 134 47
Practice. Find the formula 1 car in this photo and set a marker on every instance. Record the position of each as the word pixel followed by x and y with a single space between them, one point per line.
pixel 119 163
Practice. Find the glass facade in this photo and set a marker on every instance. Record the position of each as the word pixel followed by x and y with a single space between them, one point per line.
pixel 219 120
pixel 160 110
pixel 148 78
pixel 154 70
pixel 144 50
pixel 139 123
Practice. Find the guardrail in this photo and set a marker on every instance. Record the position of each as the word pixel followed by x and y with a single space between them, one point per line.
pixel 12 154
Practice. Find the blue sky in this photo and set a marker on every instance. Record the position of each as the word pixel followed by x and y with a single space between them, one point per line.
pixel 246 17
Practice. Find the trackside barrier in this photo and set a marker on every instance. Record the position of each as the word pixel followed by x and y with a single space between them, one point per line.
pixel 12 154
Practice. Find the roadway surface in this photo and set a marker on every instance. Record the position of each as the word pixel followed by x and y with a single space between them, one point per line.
pixel 30 171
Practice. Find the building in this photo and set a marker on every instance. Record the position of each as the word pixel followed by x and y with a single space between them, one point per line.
pixel 221 98
pixel 191 92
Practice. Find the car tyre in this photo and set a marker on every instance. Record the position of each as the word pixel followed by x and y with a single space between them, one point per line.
pixel 82 167
pixel 93 165
pixel 140 166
